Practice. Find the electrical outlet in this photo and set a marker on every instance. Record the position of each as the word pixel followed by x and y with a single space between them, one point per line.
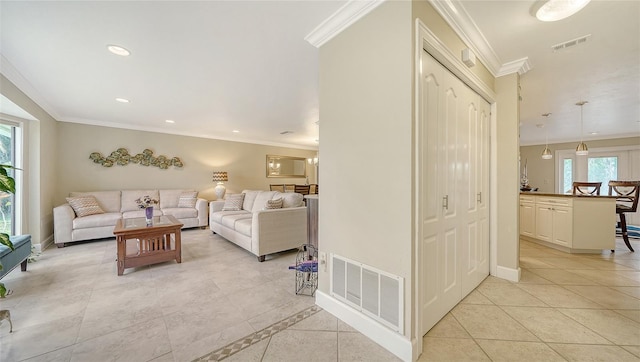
pixel 323 260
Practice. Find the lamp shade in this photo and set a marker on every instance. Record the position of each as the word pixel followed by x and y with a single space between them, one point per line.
pixel 582 149
pixel 220 176
pixel 546 154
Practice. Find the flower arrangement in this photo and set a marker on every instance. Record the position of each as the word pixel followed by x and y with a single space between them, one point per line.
pixel 146 201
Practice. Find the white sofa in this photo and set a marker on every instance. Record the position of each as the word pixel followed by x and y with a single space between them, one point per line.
pixel 69 228
pixel 258 230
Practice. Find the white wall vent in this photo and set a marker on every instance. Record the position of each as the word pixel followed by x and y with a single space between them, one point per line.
pixel 570 43
pixel 375 293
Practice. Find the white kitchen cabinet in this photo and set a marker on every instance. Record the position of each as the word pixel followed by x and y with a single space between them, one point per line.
pixel 569 223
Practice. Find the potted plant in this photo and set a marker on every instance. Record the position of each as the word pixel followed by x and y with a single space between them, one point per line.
pixel 7 184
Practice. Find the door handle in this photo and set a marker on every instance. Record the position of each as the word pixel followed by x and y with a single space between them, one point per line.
pixel 445 202
pixel 479 197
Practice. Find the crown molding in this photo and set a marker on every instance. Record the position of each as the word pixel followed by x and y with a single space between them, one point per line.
pixel 520 66
pixel 14 76
pixel 457 17
pixel 348 14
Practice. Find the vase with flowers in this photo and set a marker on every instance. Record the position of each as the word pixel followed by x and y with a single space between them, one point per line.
pixel 146 202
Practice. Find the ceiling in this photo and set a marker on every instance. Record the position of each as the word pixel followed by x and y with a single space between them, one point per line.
pixel 213 67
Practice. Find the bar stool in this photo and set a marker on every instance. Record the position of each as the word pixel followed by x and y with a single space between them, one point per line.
pixel 586 188
pixel 627 194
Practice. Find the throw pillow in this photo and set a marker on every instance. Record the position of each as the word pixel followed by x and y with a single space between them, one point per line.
pixel 85 205
pixel 233 202
pixel 188 199
pixel 273 204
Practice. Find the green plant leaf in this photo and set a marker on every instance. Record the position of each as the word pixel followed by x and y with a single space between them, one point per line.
pixel 7 183
pixel 4 240
pixel 3 290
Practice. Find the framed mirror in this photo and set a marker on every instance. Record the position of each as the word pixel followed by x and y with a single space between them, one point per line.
pixel 286 166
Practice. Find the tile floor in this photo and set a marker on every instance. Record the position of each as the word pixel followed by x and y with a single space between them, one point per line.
pixel 221 303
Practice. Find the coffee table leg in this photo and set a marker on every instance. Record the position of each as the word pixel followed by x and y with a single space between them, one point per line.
pixel 122 246
pixel 178 247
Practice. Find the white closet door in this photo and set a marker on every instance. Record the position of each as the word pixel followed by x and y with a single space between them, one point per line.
pixel 451 174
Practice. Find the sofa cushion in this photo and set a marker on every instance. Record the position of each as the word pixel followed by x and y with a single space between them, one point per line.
pixel 233 202
pixel 244 226
pixel 290 199
pixel 169 198
pixel 230 220
pixel 249 199
pixel 181 212
pixel 84 205
pixel 129 198
pixel 261 200
pixel 92 221
pixel 273 204
pixel 109 201
pixel 188 199
pixel 218 216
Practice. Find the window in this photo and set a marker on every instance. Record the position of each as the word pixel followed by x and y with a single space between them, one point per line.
pixel 7 157
pixel 567 172
pixel 602 169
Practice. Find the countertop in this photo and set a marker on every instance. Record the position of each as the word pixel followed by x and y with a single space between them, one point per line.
pixel 535 193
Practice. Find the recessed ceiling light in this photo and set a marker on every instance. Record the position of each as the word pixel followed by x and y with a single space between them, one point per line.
pixel 170 121
pixel 118 50
pixel 554 10
pixel 235 131
pixel 593 133
pixel 122 100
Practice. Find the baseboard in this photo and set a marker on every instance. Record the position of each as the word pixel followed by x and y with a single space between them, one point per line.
pixel 390 340
pixel 510 274
pixel 44 244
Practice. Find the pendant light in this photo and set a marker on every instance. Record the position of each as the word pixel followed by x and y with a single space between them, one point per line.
pixel 546 153
pixel 582 149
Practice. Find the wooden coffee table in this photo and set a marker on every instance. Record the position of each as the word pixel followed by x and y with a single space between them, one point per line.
pixel 147 244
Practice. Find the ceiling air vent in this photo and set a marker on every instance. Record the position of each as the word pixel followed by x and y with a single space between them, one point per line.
pixel 571 43
pixel 286 132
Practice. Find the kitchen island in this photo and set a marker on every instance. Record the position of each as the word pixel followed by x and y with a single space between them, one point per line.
pixel 571 223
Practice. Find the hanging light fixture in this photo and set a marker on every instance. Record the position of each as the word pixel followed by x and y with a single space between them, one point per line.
pixel 582 149
pixel 546 153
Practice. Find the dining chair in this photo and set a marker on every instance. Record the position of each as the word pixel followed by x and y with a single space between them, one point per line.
pixel 302 189
pixel 627 194
pixel 289 187
pixel 277 187
pixel 586 188
pixel 314 189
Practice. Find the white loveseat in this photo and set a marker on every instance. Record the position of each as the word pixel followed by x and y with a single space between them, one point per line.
pixel 122 204
pixel 258 230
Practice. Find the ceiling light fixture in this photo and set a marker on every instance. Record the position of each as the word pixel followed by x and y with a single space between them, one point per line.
pixel 122 100
pixel 170 121
pixel 546 153
pixel 582 149
pixel 235 131
pixel 554 10
pixel 118 50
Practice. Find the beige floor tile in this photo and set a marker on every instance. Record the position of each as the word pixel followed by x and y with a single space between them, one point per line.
pixel 142 342
pixel 604 265
pixel 566 263
pixel 291 346
pixel 633 349
pixel 606 297
pixel 344 327
pixel 552 326
pixel 631 263
pixel 557 296
pixel 609 324
pixel 631 274
pixel 51 336
pixel 579 353
pixel 492 279
pixel 534 263
pixel 518 351
pixel 448 327
pixel 508 294
pixel 451 349
pixel 527 277
pixel 296 304
pixel 167 357
pixel 211 342
pixel 58 355
pixel 357 347
pixel 608 277
pixel 632 291
pixel 490 322
pixel 321 321
pixel 631 314
pixel 253 353
pixel 475 297
pixel 563 277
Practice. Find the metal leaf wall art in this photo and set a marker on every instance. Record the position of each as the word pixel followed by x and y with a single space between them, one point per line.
pixel 122 157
